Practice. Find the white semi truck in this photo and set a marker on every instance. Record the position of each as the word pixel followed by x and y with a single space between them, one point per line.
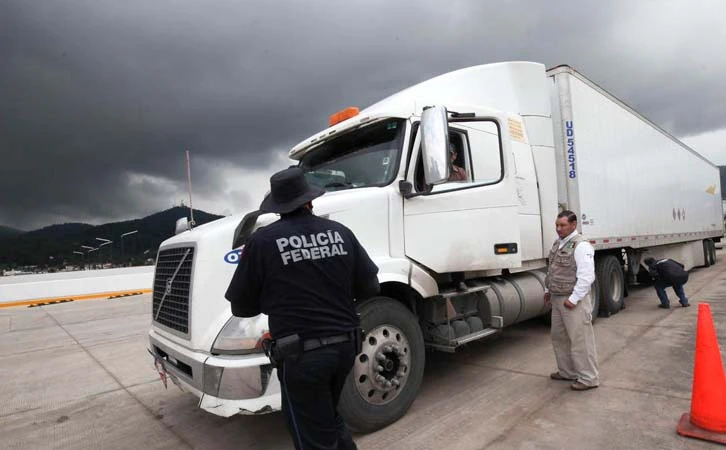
pixel 532 142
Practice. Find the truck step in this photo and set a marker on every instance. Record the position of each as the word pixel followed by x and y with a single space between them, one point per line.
pixel 451 346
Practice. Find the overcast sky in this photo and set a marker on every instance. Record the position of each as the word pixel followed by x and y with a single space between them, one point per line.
pixel 99 99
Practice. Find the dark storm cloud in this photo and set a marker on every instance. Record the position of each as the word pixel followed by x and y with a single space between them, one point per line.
pixel 99 99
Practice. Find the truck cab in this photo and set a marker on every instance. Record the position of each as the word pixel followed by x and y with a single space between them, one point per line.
pixel 386 171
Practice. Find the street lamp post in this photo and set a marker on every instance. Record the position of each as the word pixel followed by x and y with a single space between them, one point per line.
pixel 110 252
pixel 122 242
pixel 91 250
pixel 103 242
pixel 86 247
pixel 83 258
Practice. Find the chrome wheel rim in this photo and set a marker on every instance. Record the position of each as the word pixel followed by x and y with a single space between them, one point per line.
pixel 382 368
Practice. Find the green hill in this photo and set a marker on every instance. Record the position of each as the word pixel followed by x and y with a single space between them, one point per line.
pixel 7 232
pixel 54 245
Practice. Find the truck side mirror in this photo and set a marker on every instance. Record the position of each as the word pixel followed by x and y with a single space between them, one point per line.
pixel 406 189
pixel 435 144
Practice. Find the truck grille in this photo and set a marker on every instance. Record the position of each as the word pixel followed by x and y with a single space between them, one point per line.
pixel 170 305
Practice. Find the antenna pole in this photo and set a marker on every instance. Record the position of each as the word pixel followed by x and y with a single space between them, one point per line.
pixel 189 184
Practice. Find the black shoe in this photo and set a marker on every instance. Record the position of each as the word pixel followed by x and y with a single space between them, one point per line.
pixel 685 305
pixel 664 306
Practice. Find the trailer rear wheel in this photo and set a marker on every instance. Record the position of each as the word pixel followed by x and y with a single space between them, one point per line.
pixel 611 281
pixel 595 293
pixel 706 253
pixel 713 246
pixel 387 373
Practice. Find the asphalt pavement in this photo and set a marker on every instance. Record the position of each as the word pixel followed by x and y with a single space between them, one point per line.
pixel 78 376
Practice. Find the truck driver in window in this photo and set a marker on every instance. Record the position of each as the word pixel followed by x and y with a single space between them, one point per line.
pixel 457 173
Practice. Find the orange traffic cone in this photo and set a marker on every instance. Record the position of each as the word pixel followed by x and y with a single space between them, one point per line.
pixel 707 419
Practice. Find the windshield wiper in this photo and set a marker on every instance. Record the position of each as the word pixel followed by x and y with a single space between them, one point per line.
pixel 339 184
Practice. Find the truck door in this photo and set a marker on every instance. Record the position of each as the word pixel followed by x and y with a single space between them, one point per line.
pixel 471 222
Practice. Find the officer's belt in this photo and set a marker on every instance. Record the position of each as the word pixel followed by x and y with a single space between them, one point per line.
pixel 313 343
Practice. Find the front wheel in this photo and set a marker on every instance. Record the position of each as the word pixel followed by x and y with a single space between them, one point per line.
pixel 387 373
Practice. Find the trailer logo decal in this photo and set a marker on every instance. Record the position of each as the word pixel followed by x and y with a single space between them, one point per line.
pixel 233 257
pixel 570 132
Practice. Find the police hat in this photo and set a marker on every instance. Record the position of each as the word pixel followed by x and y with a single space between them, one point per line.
pixel 289 191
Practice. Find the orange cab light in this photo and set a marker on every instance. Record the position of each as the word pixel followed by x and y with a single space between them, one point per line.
pixel 342 115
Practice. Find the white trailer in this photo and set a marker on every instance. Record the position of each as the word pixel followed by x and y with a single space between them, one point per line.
pixel 635 186
pixel 531 142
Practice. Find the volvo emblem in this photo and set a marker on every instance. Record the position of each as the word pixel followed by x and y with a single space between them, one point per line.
pixel 233 256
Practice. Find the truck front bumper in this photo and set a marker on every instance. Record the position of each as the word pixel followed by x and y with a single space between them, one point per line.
pixel 225 385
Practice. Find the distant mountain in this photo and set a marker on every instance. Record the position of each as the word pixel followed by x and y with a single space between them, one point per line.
pixel 6 232
pixel 61 231
pixel 54 245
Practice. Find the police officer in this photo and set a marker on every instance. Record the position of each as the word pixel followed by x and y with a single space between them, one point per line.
pixel 304 272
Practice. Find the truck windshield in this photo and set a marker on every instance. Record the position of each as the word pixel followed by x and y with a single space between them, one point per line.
pixel 364 157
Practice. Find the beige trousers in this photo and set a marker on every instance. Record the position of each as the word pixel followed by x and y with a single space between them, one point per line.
pixel 574 340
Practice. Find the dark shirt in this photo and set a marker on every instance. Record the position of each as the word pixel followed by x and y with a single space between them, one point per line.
pixel 304 272
pixel 669 271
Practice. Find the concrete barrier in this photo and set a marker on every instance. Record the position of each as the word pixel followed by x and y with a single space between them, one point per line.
pixel 23 288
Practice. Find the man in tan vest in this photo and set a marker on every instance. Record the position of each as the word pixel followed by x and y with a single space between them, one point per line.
pixel 570 274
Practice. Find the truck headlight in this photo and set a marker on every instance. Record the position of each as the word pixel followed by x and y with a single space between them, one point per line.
pixel 241 336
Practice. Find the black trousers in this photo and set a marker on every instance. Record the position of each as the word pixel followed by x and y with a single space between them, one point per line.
pixel 311 384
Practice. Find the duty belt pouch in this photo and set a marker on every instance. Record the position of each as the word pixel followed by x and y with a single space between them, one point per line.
pixel 268 346
pixel 288 347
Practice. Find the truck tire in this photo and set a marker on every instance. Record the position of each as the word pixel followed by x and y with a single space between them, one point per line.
pixel 595 293
pixel 712 252
pixel 387 374
pixel 715 257
pixel 547 318
pixel 706 253
pixel 611 281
